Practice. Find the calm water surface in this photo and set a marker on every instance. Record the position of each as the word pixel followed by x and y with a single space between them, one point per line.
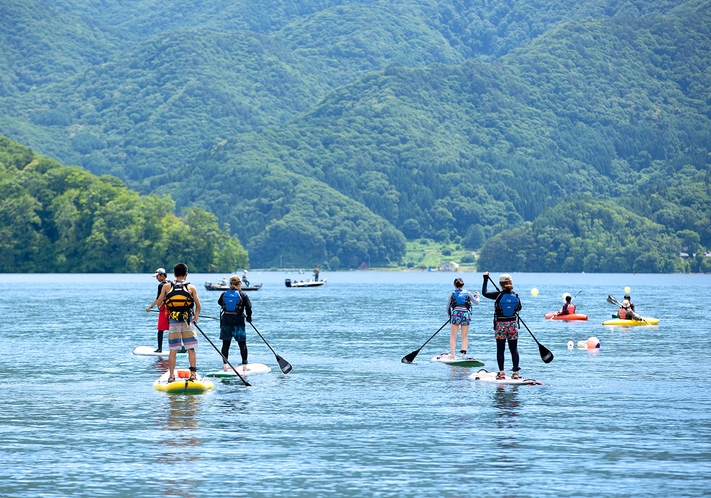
pixel 80 416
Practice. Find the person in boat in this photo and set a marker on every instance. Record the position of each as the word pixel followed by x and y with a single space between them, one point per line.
pixel 626 311
pixel 181 300
pixel 245 281
pixel 568 307
pixel 316 272
pixel 161 276
pixel 459 306
pixel 234 304
pixel 507 304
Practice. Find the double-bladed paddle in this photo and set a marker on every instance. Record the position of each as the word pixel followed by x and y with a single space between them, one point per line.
pixel 409 357
pixel 614 301
pixel 546 354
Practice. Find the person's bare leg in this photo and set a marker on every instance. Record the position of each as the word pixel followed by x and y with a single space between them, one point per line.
pixel 171 362
pixel 452 339
pixel 465 338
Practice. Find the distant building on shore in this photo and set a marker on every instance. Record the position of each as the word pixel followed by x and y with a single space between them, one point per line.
pixel 451 266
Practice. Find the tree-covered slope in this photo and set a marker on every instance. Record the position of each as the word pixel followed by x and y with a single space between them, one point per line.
pixel 55 218
pixel 609 107
pixel 149 84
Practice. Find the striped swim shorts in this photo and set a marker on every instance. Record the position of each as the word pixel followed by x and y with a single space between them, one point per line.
pixel 181 335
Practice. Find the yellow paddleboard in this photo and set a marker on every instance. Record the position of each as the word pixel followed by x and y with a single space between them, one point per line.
pixel 182 383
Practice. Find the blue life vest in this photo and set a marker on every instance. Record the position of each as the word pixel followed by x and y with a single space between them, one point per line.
pixel 460 298
pixel 233 302
pixel 507 304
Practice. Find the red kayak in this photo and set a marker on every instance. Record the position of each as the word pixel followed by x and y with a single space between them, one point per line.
pixel 572 316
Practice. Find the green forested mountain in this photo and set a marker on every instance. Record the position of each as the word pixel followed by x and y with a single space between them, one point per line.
pixel 324 131
pixel 136 88
pixel 615 108
pixel 55 218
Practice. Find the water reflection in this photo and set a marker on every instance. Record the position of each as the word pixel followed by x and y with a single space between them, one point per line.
pixel 506 404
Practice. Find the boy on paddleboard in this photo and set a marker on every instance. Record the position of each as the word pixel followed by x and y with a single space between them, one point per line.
pixel 235 304
pixel 506 306
pixel 181 300
pixel 459 308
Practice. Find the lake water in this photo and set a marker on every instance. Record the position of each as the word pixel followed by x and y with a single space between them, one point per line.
pixel 80 416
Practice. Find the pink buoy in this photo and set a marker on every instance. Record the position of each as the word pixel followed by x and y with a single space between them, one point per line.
pixel 593 343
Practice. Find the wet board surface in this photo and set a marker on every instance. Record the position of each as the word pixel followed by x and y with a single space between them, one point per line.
pixel 457 361
pixel 490 377
pixel 181 384
pixel 252 369
pixel 150 351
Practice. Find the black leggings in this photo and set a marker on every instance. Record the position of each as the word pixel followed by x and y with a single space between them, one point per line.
pixel 160 339
pixel 501 348
pixel 242 350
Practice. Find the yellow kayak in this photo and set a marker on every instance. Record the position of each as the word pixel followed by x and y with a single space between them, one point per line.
pixel 182 384
pixel 631 323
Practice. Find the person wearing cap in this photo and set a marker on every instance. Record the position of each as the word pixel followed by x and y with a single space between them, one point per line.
pixel 459 307
pixel 507 304
pixel 182 304
pixel 626 311
pixel 234 305
pixel 568 307
pixel 244 277
pixel 161 276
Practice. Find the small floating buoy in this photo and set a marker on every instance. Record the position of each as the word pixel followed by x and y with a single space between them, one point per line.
pixel 534 292
pixel 593 343
pixel 570 344
pixel 628 290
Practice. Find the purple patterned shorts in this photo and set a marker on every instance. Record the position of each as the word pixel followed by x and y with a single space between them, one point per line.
pixel 506 330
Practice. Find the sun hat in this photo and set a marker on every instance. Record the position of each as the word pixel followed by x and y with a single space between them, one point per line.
pixel 159 271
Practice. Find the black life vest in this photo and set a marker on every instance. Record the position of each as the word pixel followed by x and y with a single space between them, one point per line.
pixel 179 301
pixel 233 302
pixel 459 298
pixel 507 304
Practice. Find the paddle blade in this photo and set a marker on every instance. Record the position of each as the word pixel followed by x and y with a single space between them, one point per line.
pixel 546 354
pixel 284 365
pixel 612 300
pixel 408 358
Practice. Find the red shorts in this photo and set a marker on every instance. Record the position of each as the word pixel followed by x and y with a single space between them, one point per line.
pixel 163 318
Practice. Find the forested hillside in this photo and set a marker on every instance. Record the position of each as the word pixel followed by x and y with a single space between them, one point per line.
pixel 615 108
pixel 55 218
pixel 324 131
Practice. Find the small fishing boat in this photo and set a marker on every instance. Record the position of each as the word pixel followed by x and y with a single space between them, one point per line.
pixel 224 285
pixel 304 283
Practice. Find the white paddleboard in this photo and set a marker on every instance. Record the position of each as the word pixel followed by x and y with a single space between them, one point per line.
pixel 484 376
pixel 149 351
pixel 244 371
pixel 458 361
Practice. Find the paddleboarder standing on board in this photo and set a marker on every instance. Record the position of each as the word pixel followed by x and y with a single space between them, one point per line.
pixel 459 307
pixel 181 300
pixel 235 304
pixel 506 305
pixel 161 276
